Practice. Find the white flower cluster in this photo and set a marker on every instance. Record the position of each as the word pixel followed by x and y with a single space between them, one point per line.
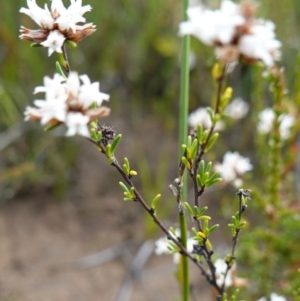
pixel 70 102
pixel 201 116
pixel 57 25
pixel 237 108
pixel 273 297
pixel 234 32
pixel 220 271
pixel 233 167
pixel 161 247
pixel 266 119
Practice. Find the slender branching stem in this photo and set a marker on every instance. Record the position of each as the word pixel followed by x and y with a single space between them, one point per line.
pixel 151 212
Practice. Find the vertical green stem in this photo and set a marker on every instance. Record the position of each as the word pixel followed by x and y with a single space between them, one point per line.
pixel 183 131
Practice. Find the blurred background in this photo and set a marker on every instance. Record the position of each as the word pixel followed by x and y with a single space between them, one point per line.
pixel 65 232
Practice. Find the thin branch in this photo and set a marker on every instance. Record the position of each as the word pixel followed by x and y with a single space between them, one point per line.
pixel 151 212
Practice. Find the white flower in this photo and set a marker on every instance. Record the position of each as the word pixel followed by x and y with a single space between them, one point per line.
pixel 234 32
pixel 237 109
pixel 161 246
pixel 41 17
pixel 266 119
pixel 77 124
pixel 265 123
pixel 233 167
pixel 273 297
pixel 260 44
pixel 89 93
pixel 287 121
pixel 210 26
pixel 53 88
pixel 52 110
pixel 68 101
pixel 220 271
pixel 54 42
pixel 57 24
pixel 201 116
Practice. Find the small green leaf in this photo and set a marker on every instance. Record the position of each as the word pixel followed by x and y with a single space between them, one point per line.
pixel 155 200
pixel 194 148
pixel 199 131
pixel 205 227
pixel 128 199
pixel 124 187
pixel 212 182
pixel 194 231
pixel 204 136
pixel 201 169
pixel 71 43
pixel 115 143
pixel 199 182
pixel 188 208
pixel 213 228
pixel 59 69
pixel 203 217
pixel 108 150
pixel 208 167
pixel 186 162
pixel 126 166
pixel 34 45
pixel 202 210
pixel 211 141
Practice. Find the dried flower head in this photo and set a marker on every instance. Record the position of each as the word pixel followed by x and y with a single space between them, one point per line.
pixel 57 24
pixel 74 101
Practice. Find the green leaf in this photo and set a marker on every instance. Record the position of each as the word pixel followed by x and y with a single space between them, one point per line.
pixel 208 167
pixel 188 208
pixel 213 228
pixel 115 143
pixel 199 131
pixel 108 150
pixel 212 182
pixel 199 182
pixel 194 148
pixel 126 166
pixel 211 141
pixel 155 200
pixel 128 199
pixel 201 169
pixel 71 43
pixel 203 217
pixel 111 159
pixel 124 187
pixel 189 141
pixel 204 136
pixel 202 210
pixel 186 162
pixel 59 69
pixel 205 227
